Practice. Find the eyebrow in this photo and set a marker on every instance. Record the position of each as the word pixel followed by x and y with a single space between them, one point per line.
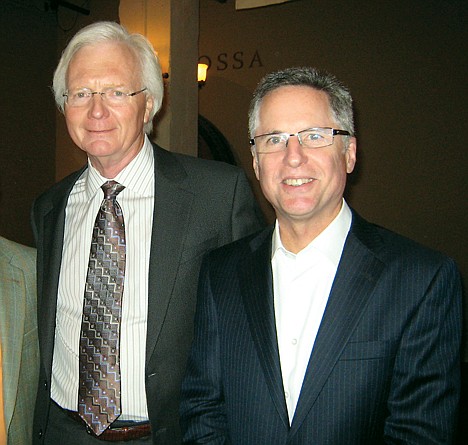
pixel 273 132
pixel 105 86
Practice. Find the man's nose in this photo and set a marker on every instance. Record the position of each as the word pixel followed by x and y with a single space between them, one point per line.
pixel 295 153
pixel 98 106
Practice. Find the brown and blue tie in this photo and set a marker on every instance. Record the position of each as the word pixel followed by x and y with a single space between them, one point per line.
pixel 99 387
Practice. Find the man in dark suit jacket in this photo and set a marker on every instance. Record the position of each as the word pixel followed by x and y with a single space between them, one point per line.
pixel 175 208
pixel 324 328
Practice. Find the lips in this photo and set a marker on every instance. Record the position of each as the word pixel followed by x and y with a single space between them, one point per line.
pixel 100 131
pixel 297 182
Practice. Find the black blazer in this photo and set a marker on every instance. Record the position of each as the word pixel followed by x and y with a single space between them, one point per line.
pixel 384 367
pixel 199 205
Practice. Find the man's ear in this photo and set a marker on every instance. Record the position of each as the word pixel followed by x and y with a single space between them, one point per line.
pixel 149 107
pixel 351 154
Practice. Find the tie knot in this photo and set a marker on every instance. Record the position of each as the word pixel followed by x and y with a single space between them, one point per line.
pixel 111 189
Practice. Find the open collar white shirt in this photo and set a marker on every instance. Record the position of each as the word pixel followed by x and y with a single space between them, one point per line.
pixel 302 284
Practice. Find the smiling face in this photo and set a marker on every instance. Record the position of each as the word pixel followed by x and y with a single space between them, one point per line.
pixel 305 186
pixel 111 136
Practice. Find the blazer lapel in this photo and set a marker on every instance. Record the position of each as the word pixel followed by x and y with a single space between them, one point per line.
pixel 171 217
pixel 255 278
pixel 356 277
pixel 11 329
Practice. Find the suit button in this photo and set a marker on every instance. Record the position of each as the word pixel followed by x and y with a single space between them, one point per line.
pixel 40 434
pixel 45 384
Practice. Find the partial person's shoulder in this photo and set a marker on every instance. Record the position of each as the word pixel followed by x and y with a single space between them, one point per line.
pixel 11 250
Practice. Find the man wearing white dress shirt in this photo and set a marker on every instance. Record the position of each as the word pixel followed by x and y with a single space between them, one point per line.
pixel 323 328
pixel 109 85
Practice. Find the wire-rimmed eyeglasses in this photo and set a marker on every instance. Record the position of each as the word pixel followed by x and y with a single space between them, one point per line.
pixel 113 96
pixel 309 138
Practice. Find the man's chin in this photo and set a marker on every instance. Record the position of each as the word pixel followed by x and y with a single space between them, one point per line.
pixel 99 147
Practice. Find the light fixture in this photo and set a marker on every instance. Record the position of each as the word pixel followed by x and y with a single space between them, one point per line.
pixel 202 68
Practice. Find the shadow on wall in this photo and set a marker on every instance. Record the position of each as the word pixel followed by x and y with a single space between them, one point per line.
pixel 212 144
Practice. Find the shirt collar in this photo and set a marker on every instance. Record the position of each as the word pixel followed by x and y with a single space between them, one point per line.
pixel 329 243
pixel 137 176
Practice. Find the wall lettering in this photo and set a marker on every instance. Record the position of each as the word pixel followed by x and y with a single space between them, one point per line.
pixel 236 61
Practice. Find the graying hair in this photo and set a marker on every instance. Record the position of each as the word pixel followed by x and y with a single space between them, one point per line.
pixel 100 32
pixel 341 102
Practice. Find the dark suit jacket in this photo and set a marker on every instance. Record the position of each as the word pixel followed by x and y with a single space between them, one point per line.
pixel 199 205
pixel 384 367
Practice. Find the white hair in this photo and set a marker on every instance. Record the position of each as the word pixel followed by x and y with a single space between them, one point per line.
pixel 151 75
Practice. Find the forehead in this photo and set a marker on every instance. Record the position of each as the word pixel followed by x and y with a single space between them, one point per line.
pixel 289 104
pixel 291 94
pixel 104 62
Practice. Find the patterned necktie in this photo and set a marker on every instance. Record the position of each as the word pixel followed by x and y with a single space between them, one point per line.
pixel 99 387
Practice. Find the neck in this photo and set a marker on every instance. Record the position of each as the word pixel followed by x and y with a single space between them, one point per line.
pixel 296 234
pixel 109 167
pixel 296 237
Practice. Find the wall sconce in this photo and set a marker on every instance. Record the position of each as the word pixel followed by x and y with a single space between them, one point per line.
pixel 202 68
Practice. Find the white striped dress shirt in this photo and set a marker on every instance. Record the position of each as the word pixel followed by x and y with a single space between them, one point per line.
pixel 137 202
pixel 302 284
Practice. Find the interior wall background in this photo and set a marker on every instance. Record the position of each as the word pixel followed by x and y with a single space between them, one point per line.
pixel 27 112
pixel 405 64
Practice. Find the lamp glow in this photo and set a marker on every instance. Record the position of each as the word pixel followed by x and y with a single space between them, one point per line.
pixel 202 68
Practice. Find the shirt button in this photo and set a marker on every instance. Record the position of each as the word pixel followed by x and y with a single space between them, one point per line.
pixel 294 341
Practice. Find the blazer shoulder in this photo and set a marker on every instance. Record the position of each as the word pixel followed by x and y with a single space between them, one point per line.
pixel 176 164
pixel 17 254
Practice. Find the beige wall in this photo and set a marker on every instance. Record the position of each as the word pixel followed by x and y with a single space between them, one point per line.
pixel 405 63
pixel 172 27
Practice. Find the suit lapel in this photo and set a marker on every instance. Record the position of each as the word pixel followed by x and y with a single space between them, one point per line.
pixel 255 278
pixel 171 216
pixel 356 277
pixel 53 220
